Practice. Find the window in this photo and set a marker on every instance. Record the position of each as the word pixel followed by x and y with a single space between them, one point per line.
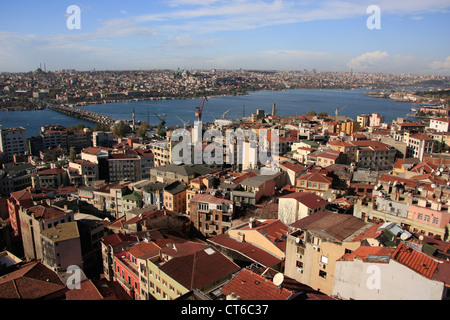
pixel 420 216
pixel 427 218
pixel 435 220
pixel 322 274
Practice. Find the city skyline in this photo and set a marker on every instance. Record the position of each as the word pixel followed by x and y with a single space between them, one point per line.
pixel 194 34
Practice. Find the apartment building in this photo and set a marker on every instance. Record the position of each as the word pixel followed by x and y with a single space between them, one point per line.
pixel 211 214
pixel 61 247
pixel 401 201
pixel 99 156
pixel 419 145
pixel 204 268
pixel 82 172
pixel 111 245
pixel 124 166
pixel 440 124
pixel 269 235
pixel 54 136
pixel 12 141
pixel 295 206
pixel 390 273
pixel 109 198
pixel 316 243
pixel 34 220
pixel 50 178
pixel 315 182
pixel 175 197
pixel 15 177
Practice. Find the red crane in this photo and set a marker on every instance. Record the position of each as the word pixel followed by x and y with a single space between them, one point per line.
pixel 200 109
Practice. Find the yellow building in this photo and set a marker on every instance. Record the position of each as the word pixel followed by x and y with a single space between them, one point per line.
pixel 204 268
pixel 350 127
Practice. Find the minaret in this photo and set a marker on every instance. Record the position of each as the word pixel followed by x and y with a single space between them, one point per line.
pixel 274 109
pixel 134 120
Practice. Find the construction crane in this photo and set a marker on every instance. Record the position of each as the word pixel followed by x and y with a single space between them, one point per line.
pixel 186 124
pixel 225 113
pixel 199 109
pixel 161 118
pixel 339 110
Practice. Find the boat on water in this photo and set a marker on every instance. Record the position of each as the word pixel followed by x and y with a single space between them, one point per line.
pixel 413 109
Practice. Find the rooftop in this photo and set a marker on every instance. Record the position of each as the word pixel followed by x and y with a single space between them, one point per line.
pixel 62 232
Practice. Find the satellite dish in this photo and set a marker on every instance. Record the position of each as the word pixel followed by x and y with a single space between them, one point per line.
pixel 433 186
pixel 421 238
pixel 297 240
pixel 405 236
pixel 441 169
pixel 278 279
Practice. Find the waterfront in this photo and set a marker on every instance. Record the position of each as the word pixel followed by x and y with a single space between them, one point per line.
pixel 33 120
pixel 288 103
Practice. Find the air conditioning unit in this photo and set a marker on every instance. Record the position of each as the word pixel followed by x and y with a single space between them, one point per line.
pixel 316 248
pixel 152 290
pixel 300 270
pixel 299 255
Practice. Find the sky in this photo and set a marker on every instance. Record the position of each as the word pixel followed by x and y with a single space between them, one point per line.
pixel 413 35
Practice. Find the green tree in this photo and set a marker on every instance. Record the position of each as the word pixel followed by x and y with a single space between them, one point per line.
pixel 120 130
pixel 323 114
pixel 101 127
pixel 72 154
pixel 160 130
pixel 80 126
pixel 70 128
pixel 142 130
pixel 311 113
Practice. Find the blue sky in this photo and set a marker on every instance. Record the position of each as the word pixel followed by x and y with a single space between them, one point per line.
pixel 191 34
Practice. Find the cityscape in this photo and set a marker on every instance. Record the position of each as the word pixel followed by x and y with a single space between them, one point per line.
pixel 283 202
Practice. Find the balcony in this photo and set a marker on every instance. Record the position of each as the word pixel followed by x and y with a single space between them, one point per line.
pixel 124 283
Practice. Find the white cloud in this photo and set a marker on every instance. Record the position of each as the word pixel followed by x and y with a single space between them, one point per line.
pixel 441 67
pixel 383 62
pixel 368 61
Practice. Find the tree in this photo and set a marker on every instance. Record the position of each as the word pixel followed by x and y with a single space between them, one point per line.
pixel 120 130
pixel 142 130
pixel 101 127
pixel 70 128
pixel 80 126
pixel 323 114
pixel 311 113
pixel 160 130
pixel 72 154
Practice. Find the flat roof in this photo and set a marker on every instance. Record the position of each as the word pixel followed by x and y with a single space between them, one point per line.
pixel 62 232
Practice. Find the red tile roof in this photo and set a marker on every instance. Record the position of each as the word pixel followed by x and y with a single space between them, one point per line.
pixel 208 198
pixel 331 225
pixel 316 177
pixel 32 280
pixel 273 229
pixel 415 260
pixel 199 267
pixel 49 172
pixel 117 238
pixel 247 249
pixel 308 199
pixel 421 136
pixel 46 213
pixel 98 290
pixel 252 286
pixel 363 252
pixel 296 167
